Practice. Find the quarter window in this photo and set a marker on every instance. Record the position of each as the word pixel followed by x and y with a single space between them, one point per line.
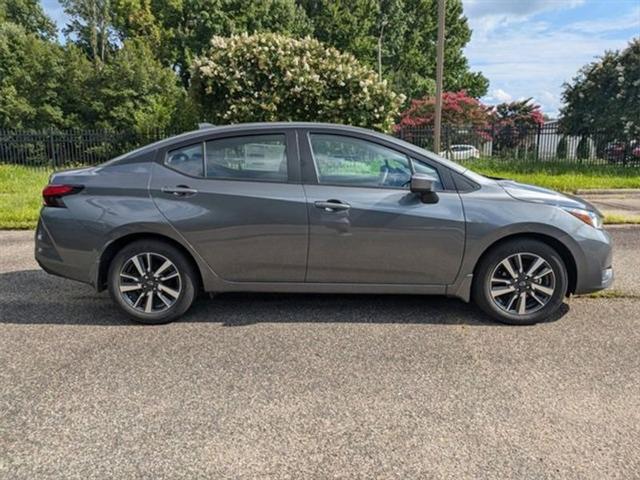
pixel 255 157
pixel 187 160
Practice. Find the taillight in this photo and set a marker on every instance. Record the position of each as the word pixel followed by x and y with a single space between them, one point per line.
pixel 52 194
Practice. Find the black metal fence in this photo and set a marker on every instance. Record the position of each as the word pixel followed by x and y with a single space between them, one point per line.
pixel 63 149
pixel 538 144
pixel 69 148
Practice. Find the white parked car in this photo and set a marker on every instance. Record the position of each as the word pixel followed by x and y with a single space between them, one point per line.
pixel 461 152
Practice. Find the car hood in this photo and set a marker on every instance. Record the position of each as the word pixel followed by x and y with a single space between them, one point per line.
pixel 533 194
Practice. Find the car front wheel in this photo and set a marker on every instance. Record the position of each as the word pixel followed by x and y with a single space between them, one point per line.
pixel 520 282
pixel 152 281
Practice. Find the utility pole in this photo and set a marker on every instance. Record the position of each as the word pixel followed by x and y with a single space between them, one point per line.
pixel 437 130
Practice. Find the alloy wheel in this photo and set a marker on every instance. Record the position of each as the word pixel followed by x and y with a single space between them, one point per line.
pixel 522 283
pixel 149 282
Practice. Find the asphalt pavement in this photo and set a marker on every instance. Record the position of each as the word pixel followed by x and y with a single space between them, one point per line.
pixel 313 386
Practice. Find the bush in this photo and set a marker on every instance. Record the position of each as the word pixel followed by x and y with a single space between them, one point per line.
pixel 270 77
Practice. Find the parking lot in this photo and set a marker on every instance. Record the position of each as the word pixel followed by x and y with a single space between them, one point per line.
pixel 313 386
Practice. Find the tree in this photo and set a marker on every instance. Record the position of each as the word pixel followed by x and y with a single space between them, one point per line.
pixel 458 110
pixel 90 27
pixel 31 70
pixel 465 118
pixel 180 30
pixel 134 92
pixel 406 30
pixel 268 77
pixel 604 97
pixel 29 15
pixel 515 122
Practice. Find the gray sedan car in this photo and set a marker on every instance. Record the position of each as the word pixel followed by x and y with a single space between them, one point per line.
pixel 305 207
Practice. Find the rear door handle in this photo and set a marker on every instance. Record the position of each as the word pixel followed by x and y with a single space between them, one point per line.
pixel 332 205
pixel 180 191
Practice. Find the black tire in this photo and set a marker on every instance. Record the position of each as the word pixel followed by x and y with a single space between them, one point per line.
pixel 187 277
pixel 481 290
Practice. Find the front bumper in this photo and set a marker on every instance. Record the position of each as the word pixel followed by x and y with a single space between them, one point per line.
pixel 595 271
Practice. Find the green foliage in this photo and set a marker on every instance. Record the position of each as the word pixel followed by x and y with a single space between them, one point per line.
pixel 605 96
pixel 29 15
pixel 182 29
pixel 31 70
pixel 119 64
pixel 90 27
pixel 135 92
pixel 407 31
pixel 267 77
pixel 561 149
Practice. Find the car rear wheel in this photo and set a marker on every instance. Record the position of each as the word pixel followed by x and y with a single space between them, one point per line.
pixel 152 281
pixel 520 282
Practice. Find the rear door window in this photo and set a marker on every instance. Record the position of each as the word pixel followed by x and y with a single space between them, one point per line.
pixel 252 157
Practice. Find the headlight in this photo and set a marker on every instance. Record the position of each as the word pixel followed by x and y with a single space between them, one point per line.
pixel 587 216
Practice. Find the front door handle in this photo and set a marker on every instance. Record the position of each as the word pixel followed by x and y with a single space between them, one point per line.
pixel 332 205
pixel 180 191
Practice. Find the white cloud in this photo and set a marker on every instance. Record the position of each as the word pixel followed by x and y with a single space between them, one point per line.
pixel 630 21
pixel 527 57
pixel 499 96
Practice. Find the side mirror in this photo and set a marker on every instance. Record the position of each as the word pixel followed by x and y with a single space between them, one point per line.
pixel 424 185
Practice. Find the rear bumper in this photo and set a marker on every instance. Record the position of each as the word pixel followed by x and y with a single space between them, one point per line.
pixel 53 260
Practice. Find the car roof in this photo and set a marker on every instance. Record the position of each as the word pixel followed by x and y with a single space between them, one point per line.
pixel 240 127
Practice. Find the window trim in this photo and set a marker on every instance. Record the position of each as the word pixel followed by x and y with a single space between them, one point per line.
pixel 291 145
pixel 410 160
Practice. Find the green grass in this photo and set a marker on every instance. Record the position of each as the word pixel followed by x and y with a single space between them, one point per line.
pixel 613 219
pixel 21 187
pixel 20 195
pixel 559 176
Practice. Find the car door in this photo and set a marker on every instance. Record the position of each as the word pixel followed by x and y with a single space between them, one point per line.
pixel 365 224
pixel 237 199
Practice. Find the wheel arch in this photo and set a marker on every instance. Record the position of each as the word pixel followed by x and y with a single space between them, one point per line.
pixel 116 245
pixel 563 250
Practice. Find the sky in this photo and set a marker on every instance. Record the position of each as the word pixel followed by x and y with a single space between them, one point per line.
pixel 529 48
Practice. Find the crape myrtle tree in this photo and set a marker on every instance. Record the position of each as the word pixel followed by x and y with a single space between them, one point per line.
pixel 466 120
pixel 269 77
pixel 515 125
